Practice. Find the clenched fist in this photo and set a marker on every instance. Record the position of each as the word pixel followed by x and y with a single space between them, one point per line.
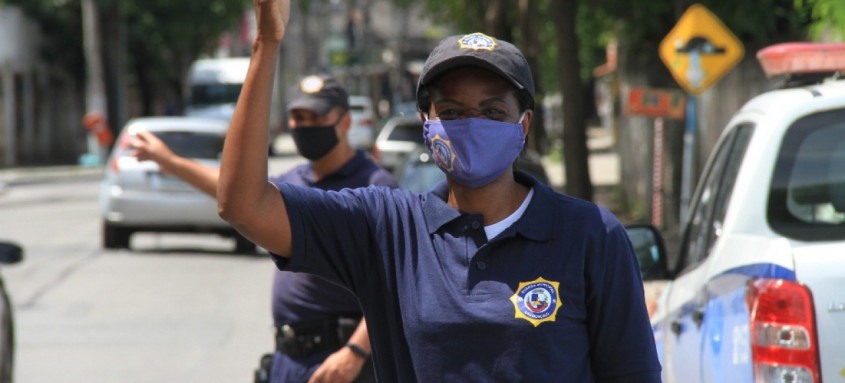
pixel 272 18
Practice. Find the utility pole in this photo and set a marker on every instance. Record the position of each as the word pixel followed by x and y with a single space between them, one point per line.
pixel 95 94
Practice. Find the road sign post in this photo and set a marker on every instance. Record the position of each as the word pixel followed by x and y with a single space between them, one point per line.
pixel 698 51
pixel 658 103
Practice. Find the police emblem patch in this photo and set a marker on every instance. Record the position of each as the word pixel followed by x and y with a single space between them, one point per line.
pixel 441 150
pixel 536 301
pixel 311 84
pixel 477 41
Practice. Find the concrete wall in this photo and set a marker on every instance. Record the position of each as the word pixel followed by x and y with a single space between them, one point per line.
pixel 17 52
pixel 39 109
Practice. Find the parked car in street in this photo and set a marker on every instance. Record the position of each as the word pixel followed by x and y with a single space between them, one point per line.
pixel 758 291
pixel 135 196
pixel 419 173
pixel 399 136
pixel 10 253
pixel 362 133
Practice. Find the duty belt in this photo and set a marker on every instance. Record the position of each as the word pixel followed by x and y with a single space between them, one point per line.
pixel 300 340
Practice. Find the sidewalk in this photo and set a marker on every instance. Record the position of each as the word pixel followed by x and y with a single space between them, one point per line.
pixel 28 175
pixel 604 168
pixel 604 161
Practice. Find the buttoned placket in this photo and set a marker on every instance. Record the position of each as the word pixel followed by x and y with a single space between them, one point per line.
pixel 476 241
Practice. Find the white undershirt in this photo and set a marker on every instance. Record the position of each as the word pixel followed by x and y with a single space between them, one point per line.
pixel 498 227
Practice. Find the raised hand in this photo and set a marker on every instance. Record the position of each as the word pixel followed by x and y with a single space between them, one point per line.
pixel 272 18
pixel 149 147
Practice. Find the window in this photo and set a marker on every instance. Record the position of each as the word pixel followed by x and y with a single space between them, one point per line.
pixel 711 202
pixel 407 131
pixel 193 145
pixel 211 94
pixel 807 194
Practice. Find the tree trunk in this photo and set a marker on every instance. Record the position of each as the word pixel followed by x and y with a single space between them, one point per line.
pixel 575 153
pixel 529 43
pixel 95 89
pixel 495 20
pixel 114 57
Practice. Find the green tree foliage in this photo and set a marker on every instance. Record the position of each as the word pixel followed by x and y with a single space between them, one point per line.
pixel 827 18
pixel 165 36
pixel 61 25
pixel 162 36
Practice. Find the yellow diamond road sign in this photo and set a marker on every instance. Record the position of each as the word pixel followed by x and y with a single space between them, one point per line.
pixel 699 50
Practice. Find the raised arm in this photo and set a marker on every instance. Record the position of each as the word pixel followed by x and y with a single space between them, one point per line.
pixel 244 197
pixel 149 147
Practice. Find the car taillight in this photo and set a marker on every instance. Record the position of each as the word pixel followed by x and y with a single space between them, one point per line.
pixel 124 144
pixel 784 347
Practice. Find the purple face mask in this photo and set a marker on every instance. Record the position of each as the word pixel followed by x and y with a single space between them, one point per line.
pixel 473 151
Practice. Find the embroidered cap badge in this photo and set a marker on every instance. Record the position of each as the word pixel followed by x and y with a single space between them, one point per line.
pixel 311 84
pixel 477 41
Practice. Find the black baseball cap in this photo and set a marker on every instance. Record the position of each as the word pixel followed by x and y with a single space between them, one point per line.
pixel 319 93
pixel 480 50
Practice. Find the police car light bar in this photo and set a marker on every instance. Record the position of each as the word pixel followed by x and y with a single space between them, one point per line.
pixel 802 58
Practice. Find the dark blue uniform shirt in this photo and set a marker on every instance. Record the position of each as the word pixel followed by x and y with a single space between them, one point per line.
pixel 555 297
pixel 299 297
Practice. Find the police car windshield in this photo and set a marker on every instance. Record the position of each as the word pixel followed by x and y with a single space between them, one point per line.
pixel 807 194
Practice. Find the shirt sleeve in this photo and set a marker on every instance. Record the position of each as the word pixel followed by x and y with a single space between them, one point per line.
pixel 331 232
pixel 382 177
pixel 622 340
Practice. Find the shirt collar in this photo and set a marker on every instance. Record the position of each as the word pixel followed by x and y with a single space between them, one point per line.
pixel 537 223
pixel 347 170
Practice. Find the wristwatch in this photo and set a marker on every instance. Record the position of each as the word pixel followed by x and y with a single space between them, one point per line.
pixel 358 350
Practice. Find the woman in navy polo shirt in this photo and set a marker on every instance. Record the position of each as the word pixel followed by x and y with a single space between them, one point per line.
pixel 490 276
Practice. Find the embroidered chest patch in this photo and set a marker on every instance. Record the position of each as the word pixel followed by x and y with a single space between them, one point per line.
pixel 536 301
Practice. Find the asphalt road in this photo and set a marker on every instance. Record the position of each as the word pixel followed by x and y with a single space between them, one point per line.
pixel 176 308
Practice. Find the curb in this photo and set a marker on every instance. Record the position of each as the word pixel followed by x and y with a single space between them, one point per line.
pixel 31 175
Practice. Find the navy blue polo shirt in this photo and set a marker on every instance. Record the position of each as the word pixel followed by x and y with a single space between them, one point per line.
pixel 299 297
pixel 556 296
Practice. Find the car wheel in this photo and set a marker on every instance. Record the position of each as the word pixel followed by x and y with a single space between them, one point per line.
pixel 243 245
pixel 115 237
pixel 7 339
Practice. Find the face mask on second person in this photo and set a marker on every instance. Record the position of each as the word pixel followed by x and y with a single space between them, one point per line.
pixel 314 142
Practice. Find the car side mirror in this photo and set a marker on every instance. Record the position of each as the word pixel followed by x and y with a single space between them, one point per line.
pixel 650 251
pixel 10 253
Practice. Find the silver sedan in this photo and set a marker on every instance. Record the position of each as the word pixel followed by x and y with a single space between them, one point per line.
pixel 135 196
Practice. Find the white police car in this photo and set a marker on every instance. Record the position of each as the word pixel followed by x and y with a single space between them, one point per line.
pixel 758 292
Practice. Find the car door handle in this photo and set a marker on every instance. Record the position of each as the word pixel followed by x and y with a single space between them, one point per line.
pixel 698 316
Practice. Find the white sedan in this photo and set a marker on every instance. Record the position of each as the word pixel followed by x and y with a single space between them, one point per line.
pixel 135 196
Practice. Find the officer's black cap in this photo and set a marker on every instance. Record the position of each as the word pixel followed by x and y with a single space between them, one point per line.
pixel 319 94
pixel 480 50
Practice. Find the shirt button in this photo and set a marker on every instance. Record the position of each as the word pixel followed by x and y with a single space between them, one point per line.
pixel 475 224
pixel 481 265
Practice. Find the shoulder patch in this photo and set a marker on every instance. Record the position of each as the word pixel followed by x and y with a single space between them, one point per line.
pixel 536 301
